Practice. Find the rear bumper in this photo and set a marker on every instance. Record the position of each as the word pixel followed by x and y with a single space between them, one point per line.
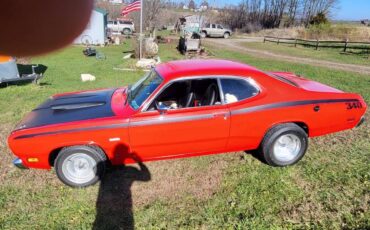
pixel 19 163
pixel 361 121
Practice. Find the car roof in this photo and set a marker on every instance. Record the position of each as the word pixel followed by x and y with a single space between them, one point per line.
pixel 176 69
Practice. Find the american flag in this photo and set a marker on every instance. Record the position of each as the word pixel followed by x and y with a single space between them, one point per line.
pixel 135 6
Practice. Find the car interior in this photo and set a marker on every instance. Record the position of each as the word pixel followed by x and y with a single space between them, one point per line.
pixel 188 93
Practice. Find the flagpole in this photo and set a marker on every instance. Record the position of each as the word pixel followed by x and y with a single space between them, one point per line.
pixel 141 29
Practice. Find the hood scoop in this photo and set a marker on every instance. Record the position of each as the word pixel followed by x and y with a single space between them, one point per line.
pixel 72 107
pixel 77 106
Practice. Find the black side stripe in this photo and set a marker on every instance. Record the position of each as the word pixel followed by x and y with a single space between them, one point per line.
pixel 160 120
pixel 73 130
pixel 163 119
pixel 287 104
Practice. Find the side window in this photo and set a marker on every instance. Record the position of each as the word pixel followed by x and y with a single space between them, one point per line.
pixel 188 93
pixel 115 22
pixel 213 26
pixel 219 27
pixel 237 89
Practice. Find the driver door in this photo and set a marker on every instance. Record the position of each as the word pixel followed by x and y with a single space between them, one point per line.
pixel 179 132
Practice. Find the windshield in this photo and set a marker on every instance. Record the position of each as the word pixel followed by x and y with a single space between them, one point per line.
pixel 142 89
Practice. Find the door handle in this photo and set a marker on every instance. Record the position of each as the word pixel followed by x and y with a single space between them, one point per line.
pixel 224 115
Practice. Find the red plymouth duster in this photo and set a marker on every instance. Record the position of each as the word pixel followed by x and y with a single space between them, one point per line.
pixel 182 109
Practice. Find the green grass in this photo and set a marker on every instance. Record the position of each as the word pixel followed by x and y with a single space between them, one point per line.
pixel 328 54
pixel 328 189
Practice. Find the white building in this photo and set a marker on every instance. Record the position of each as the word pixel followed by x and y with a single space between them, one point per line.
pixel 96 31
pixel 116 1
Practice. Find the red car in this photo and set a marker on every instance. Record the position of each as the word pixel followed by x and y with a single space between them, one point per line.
pixel 182 109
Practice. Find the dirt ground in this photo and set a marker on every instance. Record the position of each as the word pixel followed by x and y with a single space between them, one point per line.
pixel 236 45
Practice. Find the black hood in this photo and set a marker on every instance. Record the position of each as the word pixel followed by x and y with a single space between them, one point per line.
pixel 70 107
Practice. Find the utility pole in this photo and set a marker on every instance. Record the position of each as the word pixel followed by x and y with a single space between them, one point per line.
pixel 141 30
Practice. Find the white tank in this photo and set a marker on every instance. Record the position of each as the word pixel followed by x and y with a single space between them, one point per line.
pixel 8 68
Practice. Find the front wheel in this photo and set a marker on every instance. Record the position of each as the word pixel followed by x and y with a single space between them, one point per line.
pixel 126 31
pixel 203 34
pixel 80 166
pixel 226 35
pixel 284 145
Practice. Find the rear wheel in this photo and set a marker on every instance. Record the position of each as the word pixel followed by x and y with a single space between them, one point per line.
pixel 284 145
pixel 80 166
pixel 203 34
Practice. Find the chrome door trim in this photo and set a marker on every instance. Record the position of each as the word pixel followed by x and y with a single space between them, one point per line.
pixel 164 119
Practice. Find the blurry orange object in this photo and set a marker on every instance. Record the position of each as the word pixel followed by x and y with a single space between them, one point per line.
pixel 5 58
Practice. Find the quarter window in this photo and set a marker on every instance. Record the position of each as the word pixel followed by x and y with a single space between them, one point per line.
pixel 237 89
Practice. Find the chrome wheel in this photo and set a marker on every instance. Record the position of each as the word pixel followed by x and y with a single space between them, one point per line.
pixel 79 168
pixel 287 147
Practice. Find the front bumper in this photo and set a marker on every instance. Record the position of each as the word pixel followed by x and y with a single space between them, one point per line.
pixel 361 121
pixel 19 163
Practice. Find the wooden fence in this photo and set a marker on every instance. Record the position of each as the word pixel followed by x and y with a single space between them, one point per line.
pixel 345 45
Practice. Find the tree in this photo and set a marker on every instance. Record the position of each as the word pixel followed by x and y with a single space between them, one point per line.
pixel 292 11
pixel 191 4
pixel 310 8
pixel 204 4
pixel 320 18
pixel 255 14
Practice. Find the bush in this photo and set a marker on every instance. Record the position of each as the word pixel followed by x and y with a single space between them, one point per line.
pixel 319 19
pixel 251 27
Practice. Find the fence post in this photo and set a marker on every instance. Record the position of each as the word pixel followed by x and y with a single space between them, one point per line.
pixel 317 44
pixel 295 42
pixel 345 45
pixel 264 39
pixel 278 41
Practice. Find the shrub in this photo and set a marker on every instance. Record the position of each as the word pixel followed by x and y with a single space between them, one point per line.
pixel 319 19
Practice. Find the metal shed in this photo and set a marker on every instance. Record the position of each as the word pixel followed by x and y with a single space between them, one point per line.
pixel 8 69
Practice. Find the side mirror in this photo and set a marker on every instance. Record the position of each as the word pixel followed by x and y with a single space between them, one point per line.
pixel 162 108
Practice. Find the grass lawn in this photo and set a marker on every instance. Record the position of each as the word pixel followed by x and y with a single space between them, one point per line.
pixel 328 54
pixel 328 189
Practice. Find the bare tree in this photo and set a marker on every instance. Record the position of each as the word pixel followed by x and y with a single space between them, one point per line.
pixel 114 10
pixel 251 14
pixel 192 4
pixel 235 16
pixel 151 12
pixel 311 8
pixel 292 10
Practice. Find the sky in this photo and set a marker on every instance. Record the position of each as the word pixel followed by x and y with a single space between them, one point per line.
pixel 352 10
pixel 346 9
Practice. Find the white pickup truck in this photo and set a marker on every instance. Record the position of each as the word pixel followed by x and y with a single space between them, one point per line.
pixel 121 26
pixel 215 30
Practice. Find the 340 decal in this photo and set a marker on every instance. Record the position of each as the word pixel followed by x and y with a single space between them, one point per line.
pixel 354 105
